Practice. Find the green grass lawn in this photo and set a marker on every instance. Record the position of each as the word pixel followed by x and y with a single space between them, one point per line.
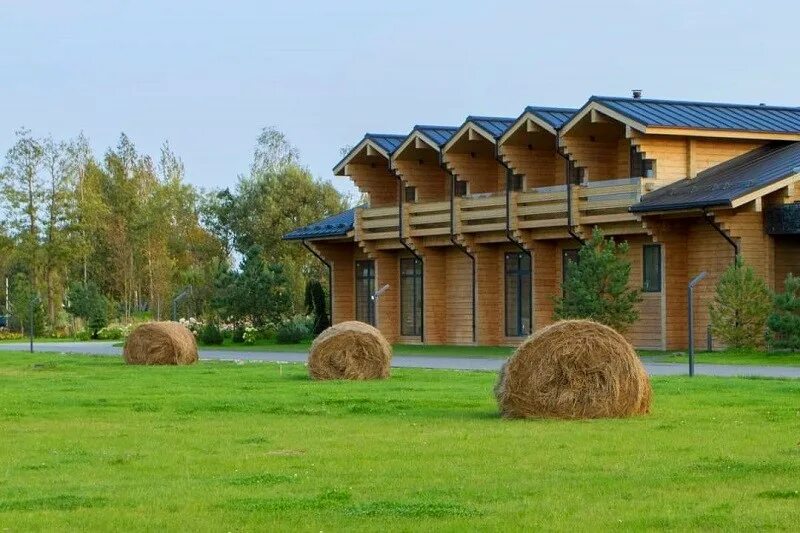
pixel 733 357
pixel 88 444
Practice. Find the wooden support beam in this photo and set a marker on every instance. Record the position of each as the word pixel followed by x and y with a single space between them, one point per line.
pixel 598 118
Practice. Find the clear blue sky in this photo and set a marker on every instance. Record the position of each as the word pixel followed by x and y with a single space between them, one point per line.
pixel 208 76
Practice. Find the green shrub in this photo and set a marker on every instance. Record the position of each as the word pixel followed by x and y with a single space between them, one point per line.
pixel 740 308
pixel 210 334
pixel 293 331
pixel 83 335
pixel 111 333
pixel 238 335
pixel 596 286
pixel 784 322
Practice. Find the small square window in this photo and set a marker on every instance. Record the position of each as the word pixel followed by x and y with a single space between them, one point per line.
pixel 411 194
pixel 460 188
pixel 651 268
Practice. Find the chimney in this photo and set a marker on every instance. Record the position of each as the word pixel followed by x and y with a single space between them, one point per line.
pixel 637 94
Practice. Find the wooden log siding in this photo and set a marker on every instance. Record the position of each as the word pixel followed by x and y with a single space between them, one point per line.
pixel 342 257
pixel 603 159
pixel 434 267
pixel 458 298
pixel 787 259
pixel 431 181
pixel 376 181
pixel 387 307
pixel 541 168
pixel 490 294
pixel 681 157
pixel 482 172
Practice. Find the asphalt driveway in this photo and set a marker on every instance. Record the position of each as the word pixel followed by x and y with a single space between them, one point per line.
pixel 405 361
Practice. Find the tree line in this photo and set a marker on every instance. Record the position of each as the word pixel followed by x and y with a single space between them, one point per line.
pixel 119 236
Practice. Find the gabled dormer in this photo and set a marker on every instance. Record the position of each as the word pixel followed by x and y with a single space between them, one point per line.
pixel 367 164
pixel 417 162
pixel 530 145
pixel 471 155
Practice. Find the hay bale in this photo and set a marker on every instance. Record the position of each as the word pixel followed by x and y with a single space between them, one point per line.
pixel 350 350
pixel 573 369
pixel 160 343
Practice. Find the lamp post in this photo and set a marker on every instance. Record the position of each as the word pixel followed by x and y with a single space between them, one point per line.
pixel 697 279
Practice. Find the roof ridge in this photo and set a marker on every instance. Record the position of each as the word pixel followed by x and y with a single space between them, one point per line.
pixel 596 98
pixel 431 127
pixel 397 135
pixel 481 117
pixel 546 108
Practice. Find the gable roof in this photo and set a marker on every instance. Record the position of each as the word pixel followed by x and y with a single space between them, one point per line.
pixel 550 119
pixel 439 135
pixel 384 143
pixel 492 128
pixel 705 115
pixel 334 226
pixel 555 116
pixel 729 184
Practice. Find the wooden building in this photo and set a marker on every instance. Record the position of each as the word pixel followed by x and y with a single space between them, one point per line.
pixel 468 229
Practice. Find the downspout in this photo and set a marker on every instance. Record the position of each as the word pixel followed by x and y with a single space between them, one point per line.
pixel 458 244
pixel 509 233
pixel 569 195
pixel 402 240
pixel 330 277
pixel 716 226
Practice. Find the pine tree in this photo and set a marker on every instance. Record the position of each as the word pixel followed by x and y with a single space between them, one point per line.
pixel 740 308
pixel 315 305
pixel 596 286
pixel 784 322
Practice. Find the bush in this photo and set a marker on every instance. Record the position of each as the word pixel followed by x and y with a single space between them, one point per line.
pixel 596 286
pixel 740 308
pixel 315 306
pixel 6 335
pixel 293 331
pixel 83 335
pixel 112 333
pixel 238 335
pixel 210 334
pixel 250 335
pixel 784 322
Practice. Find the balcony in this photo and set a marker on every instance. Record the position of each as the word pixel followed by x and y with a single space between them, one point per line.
pixel 377 223
pixel 543 208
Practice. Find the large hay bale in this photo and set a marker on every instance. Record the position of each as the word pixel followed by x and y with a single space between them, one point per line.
pixel 350 350
pixel 574 369
pixel 160 343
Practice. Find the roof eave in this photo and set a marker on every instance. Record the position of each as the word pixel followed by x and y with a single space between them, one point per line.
pixel 339 169
pixel 522 120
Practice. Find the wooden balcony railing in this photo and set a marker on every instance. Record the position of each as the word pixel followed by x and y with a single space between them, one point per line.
pixel 596 202
pixel 377 223
pixel 427 219
pixel 608 200
pixel 482 213
pixel 544 207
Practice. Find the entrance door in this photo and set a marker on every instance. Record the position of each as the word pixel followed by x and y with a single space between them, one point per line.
pixel 411 297
pixel 365 288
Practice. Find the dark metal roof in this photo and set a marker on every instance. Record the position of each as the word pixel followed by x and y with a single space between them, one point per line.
pixel 494 126
pixel 705 115
pixel 783 220
pixel 555 116
pixel 720 185
pixel 388 142
pixel 438 134
pixel 333 226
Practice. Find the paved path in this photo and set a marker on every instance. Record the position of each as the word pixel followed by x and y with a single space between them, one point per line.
pixel 409 361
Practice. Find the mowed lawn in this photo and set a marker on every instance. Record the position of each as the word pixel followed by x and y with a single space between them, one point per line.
pixel 88 443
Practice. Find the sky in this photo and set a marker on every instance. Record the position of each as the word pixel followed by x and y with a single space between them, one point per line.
pixel 208 75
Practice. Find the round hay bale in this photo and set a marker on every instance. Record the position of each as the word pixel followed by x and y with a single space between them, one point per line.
pixel 573 369
pixel 160 343
pixel 350 350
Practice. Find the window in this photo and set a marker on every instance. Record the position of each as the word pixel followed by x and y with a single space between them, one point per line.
pixel 651 268
pixel 460 188
pixel 641 167
pixel 514 180
pixel 575 174
pixel 410 194
pixel 365 288
pixel 518 294
pixel 411 297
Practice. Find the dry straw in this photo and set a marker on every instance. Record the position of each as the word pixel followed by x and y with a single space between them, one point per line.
pixel 350 350
pixel 160 343
pixel 574 369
